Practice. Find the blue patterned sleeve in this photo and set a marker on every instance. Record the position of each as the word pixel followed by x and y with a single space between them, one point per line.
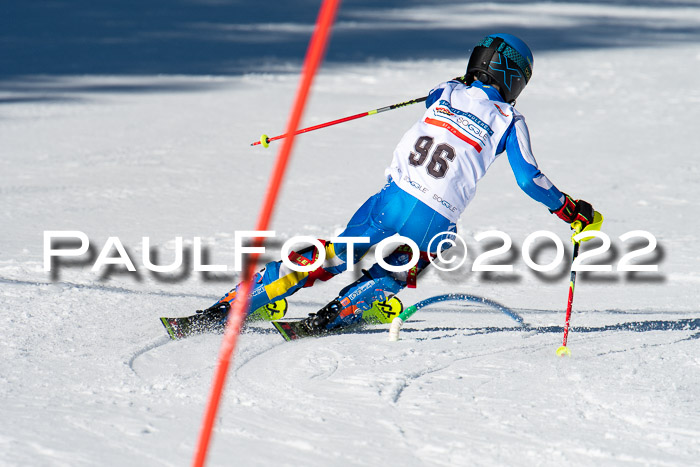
pixel 533 182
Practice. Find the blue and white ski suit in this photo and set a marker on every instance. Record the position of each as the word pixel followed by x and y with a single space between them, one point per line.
pixel 431 180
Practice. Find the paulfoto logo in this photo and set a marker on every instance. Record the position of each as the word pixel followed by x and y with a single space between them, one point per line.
pixel 75 244
pixel 450 252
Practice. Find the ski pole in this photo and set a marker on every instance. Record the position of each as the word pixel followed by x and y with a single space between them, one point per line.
pixel 265 140
pixel 597 223
pixel 564 350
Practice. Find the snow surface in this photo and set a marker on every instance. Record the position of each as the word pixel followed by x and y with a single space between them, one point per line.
pixel 151 138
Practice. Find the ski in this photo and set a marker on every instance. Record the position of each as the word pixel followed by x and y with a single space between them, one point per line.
pixel 215 321
pixel 382 312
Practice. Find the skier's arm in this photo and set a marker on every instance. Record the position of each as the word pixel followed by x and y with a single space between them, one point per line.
pixel 535 184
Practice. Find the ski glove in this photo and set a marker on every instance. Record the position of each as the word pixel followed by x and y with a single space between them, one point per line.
pixel 578 210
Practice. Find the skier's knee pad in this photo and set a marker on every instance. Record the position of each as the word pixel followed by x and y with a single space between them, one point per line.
pixel 331 265
pixel 281 280
pixel 335 260
pixel 337 256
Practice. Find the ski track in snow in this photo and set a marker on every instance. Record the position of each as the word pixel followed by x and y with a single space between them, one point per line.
pixel 155 344
pixel 399 383
pixel 254 375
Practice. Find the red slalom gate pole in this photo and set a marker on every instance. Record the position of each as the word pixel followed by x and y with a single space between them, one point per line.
pixel 314 56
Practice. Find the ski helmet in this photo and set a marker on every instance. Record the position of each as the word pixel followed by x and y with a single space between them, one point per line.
pixel 501 59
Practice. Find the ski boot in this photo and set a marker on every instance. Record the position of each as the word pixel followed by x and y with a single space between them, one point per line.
pixel 320 322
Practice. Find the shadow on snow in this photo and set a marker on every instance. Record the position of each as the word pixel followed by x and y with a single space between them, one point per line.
pixel 691 324
pixel 231 37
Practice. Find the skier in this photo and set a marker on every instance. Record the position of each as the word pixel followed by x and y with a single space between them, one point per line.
pixel 436 165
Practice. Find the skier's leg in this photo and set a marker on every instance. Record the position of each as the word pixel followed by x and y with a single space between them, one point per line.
pixel 418 222
pixel 277 281
pixel 367 222
pixel 280 281
pixel 375 284
pixel 381 216
pixel 421 224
